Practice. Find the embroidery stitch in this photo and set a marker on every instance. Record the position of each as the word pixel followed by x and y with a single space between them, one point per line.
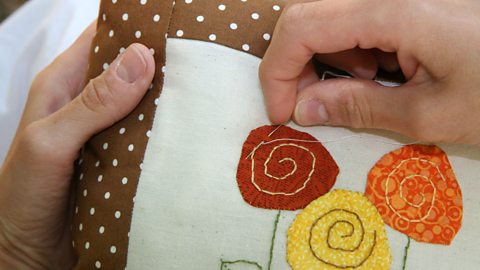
pixel 275 225
pixel 340 230
pixel 416 193
pixel 292 166
pixel 285 176
pixel 401 189
pixel 224 264
pixel 356 247
pixel 281 168
pixel 272 245
pixel 336 141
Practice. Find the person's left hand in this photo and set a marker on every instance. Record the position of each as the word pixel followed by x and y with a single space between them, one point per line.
pixel 59 117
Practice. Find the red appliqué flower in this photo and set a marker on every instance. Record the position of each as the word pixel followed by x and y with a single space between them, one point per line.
pixel 285 169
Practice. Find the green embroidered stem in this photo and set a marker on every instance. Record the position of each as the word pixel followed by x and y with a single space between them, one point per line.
pixel 275 225
pixel 224 264
pixel 406 253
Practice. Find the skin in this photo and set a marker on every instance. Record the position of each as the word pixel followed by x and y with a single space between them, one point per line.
pixel 61 114
pixel 433 42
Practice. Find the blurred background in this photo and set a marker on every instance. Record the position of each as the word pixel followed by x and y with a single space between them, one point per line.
pixel 8 6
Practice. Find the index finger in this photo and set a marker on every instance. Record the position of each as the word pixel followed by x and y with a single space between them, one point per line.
pixel 326 26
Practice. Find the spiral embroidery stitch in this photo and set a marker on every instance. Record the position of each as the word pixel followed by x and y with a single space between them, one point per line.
pixel 416 193
pixel 284 169
pixel 401 189
pixel 295 167
pixel 350 234
pixel 341 230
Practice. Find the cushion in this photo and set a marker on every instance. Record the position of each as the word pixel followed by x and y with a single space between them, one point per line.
pixel 196 177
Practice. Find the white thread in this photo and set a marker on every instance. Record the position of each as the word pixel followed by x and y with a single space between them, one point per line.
pixel 401 184
pixel 283 177
pixel 334 141
pixel 334 75
pixel 275 130
pixel 281 161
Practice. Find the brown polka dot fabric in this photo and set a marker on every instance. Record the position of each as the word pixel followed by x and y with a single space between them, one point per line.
pixel 111 164
pixel 239 24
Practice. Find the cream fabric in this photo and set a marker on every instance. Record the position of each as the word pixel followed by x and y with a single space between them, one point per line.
pixel 188 210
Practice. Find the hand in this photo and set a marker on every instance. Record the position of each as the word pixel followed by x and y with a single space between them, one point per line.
pixel 434 42
pixel 59 118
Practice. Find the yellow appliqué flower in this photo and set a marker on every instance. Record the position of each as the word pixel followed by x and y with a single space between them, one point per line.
pixel 341 230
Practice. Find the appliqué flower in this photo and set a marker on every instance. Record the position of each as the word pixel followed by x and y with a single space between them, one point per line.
pixel 285 169
pixel 340 230
pixel 416 193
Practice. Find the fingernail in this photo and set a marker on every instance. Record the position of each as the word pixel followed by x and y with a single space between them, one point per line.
pixel 132 65
pixel 311 112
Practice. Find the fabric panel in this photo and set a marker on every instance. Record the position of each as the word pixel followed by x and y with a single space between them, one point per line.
pixel 189 212
pixel 110 165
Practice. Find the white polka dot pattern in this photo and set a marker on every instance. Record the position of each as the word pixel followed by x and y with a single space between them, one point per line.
pixel 110 166
pixel 243 25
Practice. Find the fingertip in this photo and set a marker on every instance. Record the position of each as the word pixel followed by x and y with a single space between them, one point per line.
pixel 280 101
pixel 280 112
pixel 133 69
pixel 278 118
pixel 310 112
pixel 147 57
pixel 145 51
pixel 337 102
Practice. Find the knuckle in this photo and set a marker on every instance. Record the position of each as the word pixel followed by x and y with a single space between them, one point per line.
pixel 37 143
pixel 97 95
pixel 292 16
pixel 41 82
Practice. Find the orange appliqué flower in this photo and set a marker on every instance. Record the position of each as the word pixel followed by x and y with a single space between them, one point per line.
pixel 285 169
pixel 416 192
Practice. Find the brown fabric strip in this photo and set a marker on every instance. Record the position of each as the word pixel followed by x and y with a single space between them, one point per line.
pixel 239 24
pixel 109 169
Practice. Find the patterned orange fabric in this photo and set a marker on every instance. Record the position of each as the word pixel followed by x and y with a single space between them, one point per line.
pixel 282 168
pixel 416 193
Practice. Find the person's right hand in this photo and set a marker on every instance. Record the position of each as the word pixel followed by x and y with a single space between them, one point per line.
pixel 437 47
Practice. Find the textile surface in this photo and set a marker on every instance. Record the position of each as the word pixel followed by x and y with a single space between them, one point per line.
pixel 52 25
pixel 417 193
pixel 282 168
pixel 341 230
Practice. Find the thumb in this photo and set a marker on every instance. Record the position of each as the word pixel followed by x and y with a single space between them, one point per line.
pixel 106 99
pixel 361 103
